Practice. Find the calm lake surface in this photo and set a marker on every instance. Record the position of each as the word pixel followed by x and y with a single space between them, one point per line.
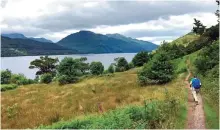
pixel 21 64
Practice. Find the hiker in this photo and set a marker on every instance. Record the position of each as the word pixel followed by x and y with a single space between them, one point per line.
pixel 195 85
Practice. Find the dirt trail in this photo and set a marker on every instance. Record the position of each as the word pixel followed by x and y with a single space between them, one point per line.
pixel 196 116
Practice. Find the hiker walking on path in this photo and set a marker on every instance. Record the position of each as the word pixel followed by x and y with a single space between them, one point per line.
pixel 195 85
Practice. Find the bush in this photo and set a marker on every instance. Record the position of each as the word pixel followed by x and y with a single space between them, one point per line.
pixel 153 115
pixel 20 79
pixel 46 78
pixel 131 65
pixel 5 76
pixel 121 64
pixel 111 69
pixel 5 87
pixel 158 71
pixel 140 58
pixel 69 70
pixel 208 58
pixel 64 79
pixel 96 68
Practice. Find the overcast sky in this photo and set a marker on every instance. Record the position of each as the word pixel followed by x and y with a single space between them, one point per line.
pixel 152 20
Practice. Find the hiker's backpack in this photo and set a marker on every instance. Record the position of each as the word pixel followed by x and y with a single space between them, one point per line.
pixel 196 83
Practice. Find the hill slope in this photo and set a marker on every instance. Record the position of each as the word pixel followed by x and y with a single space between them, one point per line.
pixel 186 39
pixel 21 36
pixel 23 47
pixel 145 44
pixel 90 42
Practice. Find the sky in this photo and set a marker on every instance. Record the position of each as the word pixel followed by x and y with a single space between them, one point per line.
pixel 150 20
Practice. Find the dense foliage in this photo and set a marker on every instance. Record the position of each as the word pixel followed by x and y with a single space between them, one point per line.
pixel 111 69
pixel 46 78
pixel 5 87
pixel 208 58
pixel 172 50
pixel 121 64
pixel 44 65
pixel 140 58
pixel 96 68
pixel 5 76
pixel 158 71
pixel 198 28
pixel 69 70
pixel 20 79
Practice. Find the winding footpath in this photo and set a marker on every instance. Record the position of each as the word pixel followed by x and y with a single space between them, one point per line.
pixel 196 116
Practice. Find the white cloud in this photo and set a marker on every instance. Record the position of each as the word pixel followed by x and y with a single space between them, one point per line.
pixel 146 20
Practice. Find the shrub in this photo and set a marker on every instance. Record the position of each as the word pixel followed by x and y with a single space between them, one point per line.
pixel 152 115
pixel 208 58
pixel 158 71
pixel 140 58
pixel 96 68
pixel 46 78
pixel 5 87
pixel 121 64
pixel 111 69
pixel 5 76
pixel 131 65
pixel 20 79
pixel 69 70
pixel 64 79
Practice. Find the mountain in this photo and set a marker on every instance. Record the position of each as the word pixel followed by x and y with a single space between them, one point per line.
pixel 90 42
pixel 23 47
pixel 41 39
pixel 14 35
pixel 21 36
pixel 146 44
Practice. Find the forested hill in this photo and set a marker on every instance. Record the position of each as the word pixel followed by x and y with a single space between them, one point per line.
pixel 27 47
pixel 21 36
pixel 90 42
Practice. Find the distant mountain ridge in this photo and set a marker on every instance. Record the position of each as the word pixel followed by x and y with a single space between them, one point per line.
pixel 82 42
pixel 21 36
pixel 90 42
pixel 29 47
pixel 150 46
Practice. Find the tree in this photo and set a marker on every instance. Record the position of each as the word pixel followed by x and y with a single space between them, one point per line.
pixel 140 58
pixel 46 78
pixel 198 28
pixel 5 76
pixel 111 69
pixel 20 79
pixel 69 70
pixel 121 64
pixel 96 68
pixel 217 11
pixel 44 65
pixel 84 67
pixel 158 71
pixel 208 58
pixel 212 33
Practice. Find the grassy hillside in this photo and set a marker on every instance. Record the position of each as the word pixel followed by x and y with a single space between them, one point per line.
pixel 186 39
pixel 32 105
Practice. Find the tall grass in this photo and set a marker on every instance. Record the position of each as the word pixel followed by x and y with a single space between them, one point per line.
pixel 155 114
pixel 46 104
